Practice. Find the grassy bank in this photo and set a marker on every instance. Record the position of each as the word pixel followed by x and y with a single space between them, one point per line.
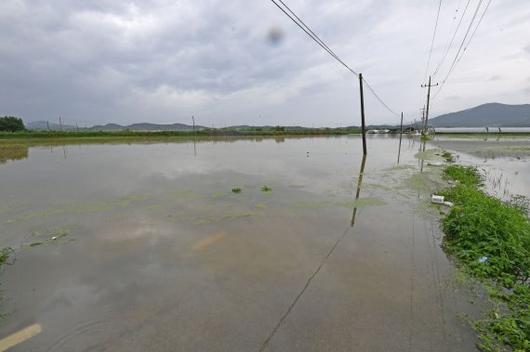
pixel 490 240
pixel 189 133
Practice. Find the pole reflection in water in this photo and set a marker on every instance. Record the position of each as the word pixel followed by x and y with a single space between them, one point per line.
pixel 359 183
pixel 399 149
pixel 64 152
pixel 422 154
pixel 400 138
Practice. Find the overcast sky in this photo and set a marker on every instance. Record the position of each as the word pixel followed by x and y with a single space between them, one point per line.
pixel 162 61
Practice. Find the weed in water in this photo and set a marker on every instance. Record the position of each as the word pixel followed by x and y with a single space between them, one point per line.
pixel 448 156
pixel 236 190
pixel 4 255
pixel 266 189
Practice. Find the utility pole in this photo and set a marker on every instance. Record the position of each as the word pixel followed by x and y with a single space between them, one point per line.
pixel 363 126
pixel 429 85
pixel 60 123
pixel 400 136
pixel 48 125
pixel 193 123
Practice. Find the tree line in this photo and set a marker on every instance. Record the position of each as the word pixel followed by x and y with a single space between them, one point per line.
pixel 11 124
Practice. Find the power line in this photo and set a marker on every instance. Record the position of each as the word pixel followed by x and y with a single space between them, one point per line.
pixel 452 39
pixel 379 98
pixel 457 58
pixel 320 41
pixel 433 37
pixel 475 30
pixel 311 34
pixel 300 23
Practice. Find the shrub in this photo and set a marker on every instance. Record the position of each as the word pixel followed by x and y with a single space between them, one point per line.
pixel 11 124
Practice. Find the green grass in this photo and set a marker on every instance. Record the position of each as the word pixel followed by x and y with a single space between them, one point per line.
pixel 266 189
pixel 464 175
pixel 491 241
pixel 236 190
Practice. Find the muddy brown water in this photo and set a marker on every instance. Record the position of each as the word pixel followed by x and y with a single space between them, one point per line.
pixel 144 247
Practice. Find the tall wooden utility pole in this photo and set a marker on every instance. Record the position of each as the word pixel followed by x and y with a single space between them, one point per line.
pixel 60 123
pixel 193 123
pixel 363 125
pixel 429 85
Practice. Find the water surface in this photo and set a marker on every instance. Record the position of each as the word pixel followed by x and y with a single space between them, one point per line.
pixel 144 247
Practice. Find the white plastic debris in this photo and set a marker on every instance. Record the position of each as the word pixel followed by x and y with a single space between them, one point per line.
pixel 436 199
pixel 448 204
pixel 54 238
pixel 482 259
pixel 435 164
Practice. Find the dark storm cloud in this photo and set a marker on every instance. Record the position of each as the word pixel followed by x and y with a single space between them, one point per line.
pixel 124 61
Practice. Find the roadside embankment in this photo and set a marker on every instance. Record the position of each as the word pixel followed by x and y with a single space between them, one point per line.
pixel 490 240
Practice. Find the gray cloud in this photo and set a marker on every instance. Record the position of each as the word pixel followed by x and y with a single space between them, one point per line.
pixel 161 61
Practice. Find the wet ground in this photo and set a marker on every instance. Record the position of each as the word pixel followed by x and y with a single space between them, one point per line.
pixel 145 247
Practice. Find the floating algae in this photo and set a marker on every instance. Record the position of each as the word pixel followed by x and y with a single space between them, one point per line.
pixel 430 154
pixel 311 205
pixel 362 202
pixel 261 205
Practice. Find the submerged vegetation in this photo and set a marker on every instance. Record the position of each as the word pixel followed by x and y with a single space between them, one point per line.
pixel 266 189
pixel 236 190
pixel 491 241
pixel 448 156
pixel 5 253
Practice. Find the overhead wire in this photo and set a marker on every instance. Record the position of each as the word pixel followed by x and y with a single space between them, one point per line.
pixel 301 24
pixel 457 58
pixel 475 30
pixel 379 98
pixel 448 48
pixel 433 38
pixel 311 34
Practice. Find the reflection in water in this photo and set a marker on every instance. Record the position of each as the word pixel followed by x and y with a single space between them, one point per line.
pixel 399 149
pixel 13 153
pixel 422 158
pixel 64 152
pixel 359 183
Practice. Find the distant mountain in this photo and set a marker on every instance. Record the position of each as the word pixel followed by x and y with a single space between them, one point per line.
pixel 146 127
pixel 487 115
pixel 46 125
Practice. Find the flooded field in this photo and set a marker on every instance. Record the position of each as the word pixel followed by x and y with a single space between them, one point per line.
pixel 149 247
pixel 504 161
